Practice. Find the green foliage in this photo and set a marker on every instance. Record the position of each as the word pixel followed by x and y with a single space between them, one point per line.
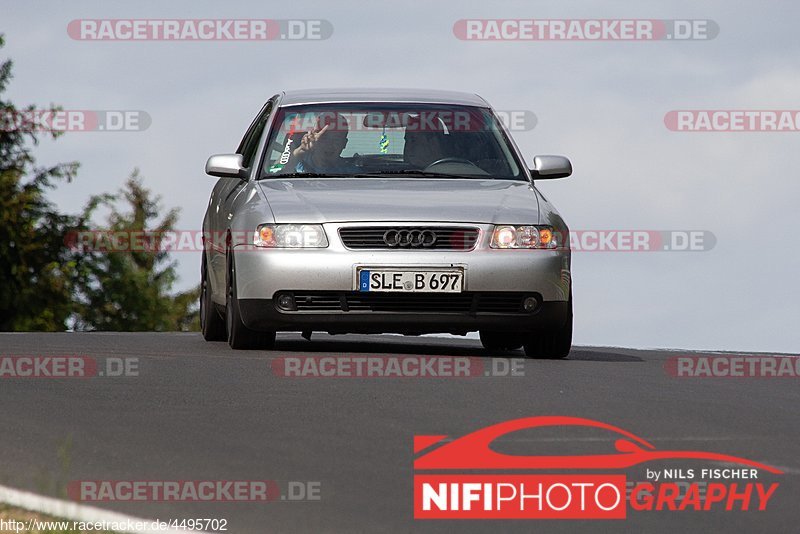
pixel 37 273
pixel 129 290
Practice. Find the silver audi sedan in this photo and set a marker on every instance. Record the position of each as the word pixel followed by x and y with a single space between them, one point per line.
pixel 382 210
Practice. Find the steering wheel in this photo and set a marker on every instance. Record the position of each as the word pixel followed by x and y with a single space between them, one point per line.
pixel 450 160
pixel 466 167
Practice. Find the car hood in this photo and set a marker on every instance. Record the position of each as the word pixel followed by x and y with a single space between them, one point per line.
pixel 407 199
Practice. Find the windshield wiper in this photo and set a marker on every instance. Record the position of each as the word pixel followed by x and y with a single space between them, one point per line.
pixel 409 172
pixel 377 174
pixel 304 175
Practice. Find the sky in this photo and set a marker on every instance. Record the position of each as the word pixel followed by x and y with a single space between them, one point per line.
pixel 601 103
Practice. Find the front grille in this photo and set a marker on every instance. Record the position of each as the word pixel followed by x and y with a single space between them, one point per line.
pixel 458 303
pixel 373 237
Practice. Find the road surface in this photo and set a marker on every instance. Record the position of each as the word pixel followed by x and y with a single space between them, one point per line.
pixel 200 411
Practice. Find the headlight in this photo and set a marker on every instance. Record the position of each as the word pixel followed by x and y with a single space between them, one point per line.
pixel 290 236
pixel 523 237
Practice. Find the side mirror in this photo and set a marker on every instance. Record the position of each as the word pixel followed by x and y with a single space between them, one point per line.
pixel 547 167
pixel 226 166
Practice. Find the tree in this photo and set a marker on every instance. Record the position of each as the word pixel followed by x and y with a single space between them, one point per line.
pixel 37 273
pixel 129 289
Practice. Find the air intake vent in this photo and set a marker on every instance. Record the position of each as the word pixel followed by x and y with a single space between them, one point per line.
pixel 409 237
pixel 460 303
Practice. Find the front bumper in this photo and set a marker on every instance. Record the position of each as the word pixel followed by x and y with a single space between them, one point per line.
pixel 263 274
pixel 264 315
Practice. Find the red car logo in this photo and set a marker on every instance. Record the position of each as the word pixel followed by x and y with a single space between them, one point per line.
pixel 473 450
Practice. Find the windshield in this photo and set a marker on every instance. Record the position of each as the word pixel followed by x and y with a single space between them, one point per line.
pixel 417 140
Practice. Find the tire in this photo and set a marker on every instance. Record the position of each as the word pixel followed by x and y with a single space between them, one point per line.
pixel 500 341
pixel 239 336
pixel 552 345
pixel 211 322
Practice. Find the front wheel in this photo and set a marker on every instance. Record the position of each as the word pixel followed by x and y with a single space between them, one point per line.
pixel 239 336
pixel 552 344
pixel 211 323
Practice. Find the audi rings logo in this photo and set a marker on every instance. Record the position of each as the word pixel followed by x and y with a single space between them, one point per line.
pixel 414 238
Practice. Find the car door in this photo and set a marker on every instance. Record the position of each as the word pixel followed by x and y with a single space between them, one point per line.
pixel 223 196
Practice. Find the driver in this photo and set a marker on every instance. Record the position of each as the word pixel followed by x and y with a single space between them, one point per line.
pixel 320 149
pixel 424 142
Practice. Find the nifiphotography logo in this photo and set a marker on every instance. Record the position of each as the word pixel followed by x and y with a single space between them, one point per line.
pixel 467 478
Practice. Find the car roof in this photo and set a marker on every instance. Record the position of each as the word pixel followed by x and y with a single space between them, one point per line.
pixel 338 95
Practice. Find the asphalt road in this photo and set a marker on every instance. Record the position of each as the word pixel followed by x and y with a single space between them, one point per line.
pixel 200 411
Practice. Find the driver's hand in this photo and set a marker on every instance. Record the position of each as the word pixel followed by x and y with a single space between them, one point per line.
pixel 308 141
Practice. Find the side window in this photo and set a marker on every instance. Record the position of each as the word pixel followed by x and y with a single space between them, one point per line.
pixel 250 142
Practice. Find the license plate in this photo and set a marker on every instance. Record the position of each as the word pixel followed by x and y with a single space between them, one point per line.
pixel 389 280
